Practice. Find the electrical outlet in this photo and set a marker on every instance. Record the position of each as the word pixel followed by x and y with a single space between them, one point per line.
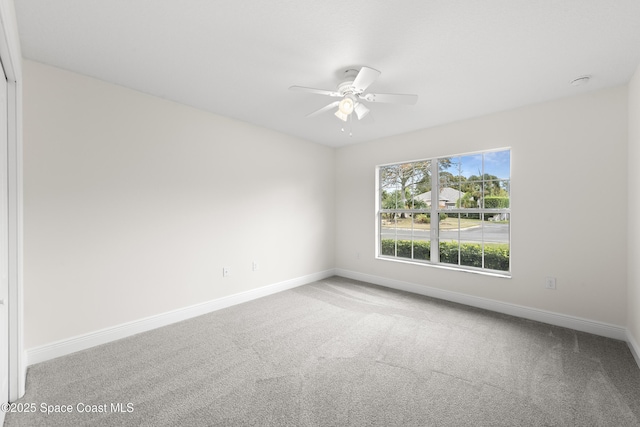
pixel 255 266
pixel 550 283
pixel 226 272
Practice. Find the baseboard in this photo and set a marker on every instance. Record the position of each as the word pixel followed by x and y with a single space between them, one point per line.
pixel 633 346
pixel 85 341
pixel 579 324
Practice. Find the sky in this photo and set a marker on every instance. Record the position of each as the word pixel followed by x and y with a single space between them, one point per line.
pixel 496 163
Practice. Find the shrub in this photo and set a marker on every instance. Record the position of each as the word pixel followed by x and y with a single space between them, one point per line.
pixel 404 249
pixel 388 247
pixel 421 249
pixel 449 252
pixel 495 202
pixel 471 255
pixel 496 256
pixel 422 219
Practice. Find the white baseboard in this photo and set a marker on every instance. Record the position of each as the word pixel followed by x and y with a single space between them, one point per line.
pixel 633 346
pixel 577 323
pixel 85 341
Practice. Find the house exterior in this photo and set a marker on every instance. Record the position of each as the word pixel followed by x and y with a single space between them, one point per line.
pixel 448 197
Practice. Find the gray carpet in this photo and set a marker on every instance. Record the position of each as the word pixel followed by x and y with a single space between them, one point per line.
pixel 340 352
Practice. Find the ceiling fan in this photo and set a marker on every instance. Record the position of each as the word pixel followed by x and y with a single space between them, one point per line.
pixel 352 91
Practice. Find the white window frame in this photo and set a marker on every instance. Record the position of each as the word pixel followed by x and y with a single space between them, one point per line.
pixel 434 211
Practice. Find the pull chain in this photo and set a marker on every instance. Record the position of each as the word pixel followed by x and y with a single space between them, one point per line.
pixel 350 126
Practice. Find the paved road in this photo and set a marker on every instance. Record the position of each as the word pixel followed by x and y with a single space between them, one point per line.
pixel 493 233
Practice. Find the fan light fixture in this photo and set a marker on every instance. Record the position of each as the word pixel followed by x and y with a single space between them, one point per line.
pixel 346 105
pixel 361 110
pixel 342 116
pixel 345 108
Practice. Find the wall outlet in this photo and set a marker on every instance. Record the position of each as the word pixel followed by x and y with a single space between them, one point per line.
pixel 550 282
pixel 255 266
pixel 226 272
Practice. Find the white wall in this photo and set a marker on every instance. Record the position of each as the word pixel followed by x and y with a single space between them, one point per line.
pixel 633 322
pixel 569 209
pixel 134 204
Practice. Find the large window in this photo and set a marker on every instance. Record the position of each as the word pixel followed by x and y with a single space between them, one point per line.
pixel 452 211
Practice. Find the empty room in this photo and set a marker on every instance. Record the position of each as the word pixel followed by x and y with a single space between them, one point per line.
pixel 303 213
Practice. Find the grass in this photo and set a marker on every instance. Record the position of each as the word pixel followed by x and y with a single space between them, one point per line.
pixel 445 224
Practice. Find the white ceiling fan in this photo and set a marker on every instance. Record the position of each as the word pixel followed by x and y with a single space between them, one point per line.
pixel 352 91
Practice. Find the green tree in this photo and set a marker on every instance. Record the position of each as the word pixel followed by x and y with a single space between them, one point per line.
pixel 480 186
pixel 467 201
pixel 447 179
pixel 404 179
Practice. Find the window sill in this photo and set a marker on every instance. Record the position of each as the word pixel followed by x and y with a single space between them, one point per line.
pixel 492 273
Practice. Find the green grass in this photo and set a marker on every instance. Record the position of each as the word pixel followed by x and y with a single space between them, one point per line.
pixel 446 224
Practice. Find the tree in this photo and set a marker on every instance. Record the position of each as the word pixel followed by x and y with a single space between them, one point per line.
pixel 467 201
pixel 403 180
pixel 447 179
pixel 480 186
pixel 407 180
pixel 389 201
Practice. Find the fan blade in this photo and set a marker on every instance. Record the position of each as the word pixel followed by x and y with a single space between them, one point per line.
pixel 392 98
pixel 323 109
pixel 361 110
pixel 312 90
pixel 365 77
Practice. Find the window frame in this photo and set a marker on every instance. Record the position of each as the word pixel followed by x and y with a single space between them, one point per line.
pixel 434 210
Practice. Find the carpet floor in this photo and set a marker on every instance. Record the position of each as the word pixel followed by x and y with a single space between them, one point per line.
pixel 338 352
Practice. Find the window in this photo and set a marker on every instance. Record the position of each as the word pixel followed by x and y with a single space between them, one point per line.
pixel 451 211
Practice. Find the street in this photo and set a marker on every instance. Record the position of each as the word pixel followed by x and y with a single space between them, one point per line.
pixel 492 233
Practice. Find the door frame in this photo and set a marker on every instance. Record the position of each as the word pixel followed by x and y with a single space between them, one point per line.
pixel 11 58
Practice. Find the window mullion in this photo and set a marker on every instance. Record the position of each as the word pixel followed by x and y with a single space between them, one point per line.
pixel 482 217
pixel 435 215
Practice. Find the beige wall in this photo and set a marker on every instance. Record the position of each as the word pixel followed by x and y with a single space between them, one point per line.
pixel 568 163
pixel 633 322
pixel 133 205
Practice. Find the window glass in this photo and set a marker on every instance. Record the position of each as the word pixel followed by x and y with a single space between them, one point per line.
pixel 470 222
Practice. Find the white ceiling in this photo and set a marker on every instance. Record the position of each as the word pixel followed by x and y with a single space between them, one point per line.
pixel 237 58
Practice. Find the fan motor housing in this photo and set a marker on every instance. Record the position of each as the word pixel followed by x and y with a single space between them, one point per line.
pixel 346 86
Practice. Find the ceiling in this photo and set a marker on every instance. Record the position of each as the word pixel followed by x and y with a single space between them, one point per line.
pixel 237 58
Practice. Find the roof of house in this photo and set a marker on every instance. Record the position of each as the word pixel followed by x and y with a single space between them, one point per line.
pixel 447 195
